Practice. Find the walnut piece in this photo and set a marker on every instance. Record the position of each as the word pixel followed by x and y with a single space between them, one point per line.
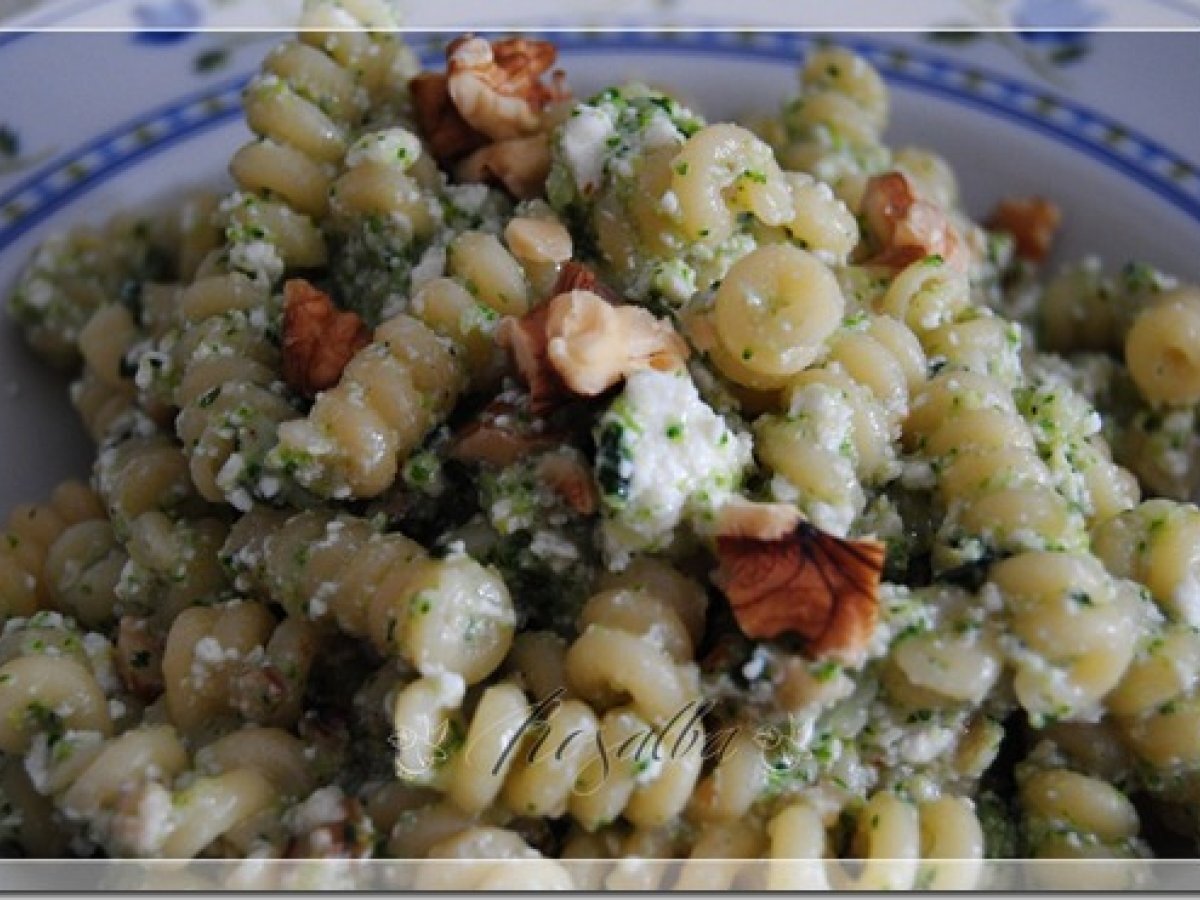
pixel 808 582
pixel 1032 221
pixel 593 344
pixel 502 435
pixel 527 339
pixel 497 87
pixel 764 521
pixel 484 118
pixel 520 165
pixel 906 228
pixel 575 276
pixel 318 338
pixel 139 657
pixel 447 133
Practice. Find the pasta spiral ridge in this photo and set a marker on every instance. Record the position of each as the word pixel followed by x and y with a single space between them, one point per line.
pixel 1072 631
pixel 998 495
pixel 449 615
pixel 130 791
pixel 427 351
pixel 29 538
pixel 75 274
pixel 841 420
pixel 1156 705
pixel 236 660
pixel 833 129
pixel 614 732
pixel 220 366
pixel 938 844
pixel 139 794
pixel 1068 815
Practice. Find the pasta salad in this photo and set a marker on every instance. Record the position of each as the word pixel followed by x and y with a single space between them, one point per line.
pixel 498 473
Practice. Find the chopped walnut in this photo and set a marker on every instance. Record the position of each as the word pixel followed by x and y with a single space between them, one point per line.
pixel 527 339
pixel 497 87
pixel 446 132
pixel 1032 221
pixel 318 338
pixel 764 521
pixel 484 116
pixel 906 228
pixel 519 165
pixel 571 479
pixel 809 582
pixel 139 657
pixel 593 344
pixel 500 437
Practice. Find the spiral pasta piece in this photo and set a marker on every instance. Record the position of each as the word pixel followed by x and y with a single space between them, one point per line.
pixel 1073 631
pixel 1156 704
pixel 221 368
pixel 235 659
pixel 552 757
pixel 82 571
pixel 1157 544
pixel 31 533
pixel 926 295
pixel 1160 349
pixel 773 313
pixel 1067 432
pixel 1161 447
pixel 421 359
pixel 892 837
pixel 1068 815
pixel 834 441
pixel 228 802
pixel 449 615
pixel 721 171
pixel 998 494
pixel 75 274
pixel 833 129
pixel 633 643
pixel 1082 309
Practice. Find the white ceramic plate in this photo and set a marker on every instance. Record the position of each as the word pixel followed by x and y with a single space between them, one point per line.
pixel 1106 124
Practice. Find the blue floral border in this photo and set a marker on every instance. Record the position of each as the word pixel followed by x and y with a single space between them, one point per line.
pixel 1100 137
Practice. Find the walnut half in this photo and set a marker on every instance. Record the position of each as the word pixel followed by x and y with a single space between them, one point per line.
pixel 806 582
pixel 485 117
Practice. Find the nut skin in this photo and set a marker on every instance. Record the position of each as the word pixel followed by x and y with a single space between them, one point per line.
pixel 318 338
pixel 447 133
pixel 808 582
pixel 497 438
